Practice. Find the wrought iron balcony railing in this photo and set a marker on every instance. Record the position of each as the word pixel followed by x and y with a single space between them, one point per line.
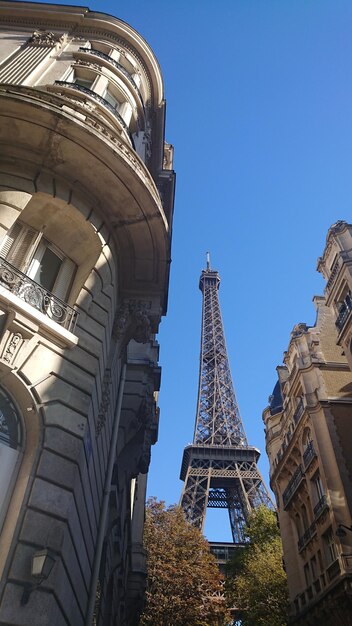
pixel 293 485
pixel 118 66
pixel 37 296
pixel 309 454
pixel 333 570
pixel 344 313
pixel 333 273
pixel 298 412
pixel 320 507
pixel 306 537
pixel 100 99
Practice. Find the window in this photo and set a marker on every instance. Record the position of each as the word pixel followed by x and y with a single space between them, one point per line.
pixel 307 574
pixel 317 487
pixel 111 99
pixel 329 546
pixel 83 82
pixel 10 446
pixel 27 250
pixel 313 567
pixel 304 517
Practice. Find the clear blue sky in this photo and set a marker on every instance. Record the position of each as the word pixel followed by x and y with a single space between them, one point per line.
pixel 259 109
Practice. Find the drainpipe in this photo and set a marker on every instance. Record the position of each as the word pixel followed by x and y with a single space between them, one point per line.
pixel 105 503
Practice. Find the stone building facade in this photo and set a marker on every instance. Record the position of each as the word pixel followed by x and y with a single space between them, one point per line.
pixel 86 207
pixel 308 427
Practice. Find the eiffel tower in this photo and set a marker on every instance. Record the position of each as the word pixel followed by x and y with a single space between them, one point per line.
pixel 219 469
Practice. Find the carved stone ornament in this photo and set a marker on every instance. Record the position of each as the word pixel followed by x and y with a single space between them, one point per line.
pixel 338 227
pixel 12 347
pixel 44 38
pixel 104 404
pixel 148 415
pixel 299 330
pixel 132 322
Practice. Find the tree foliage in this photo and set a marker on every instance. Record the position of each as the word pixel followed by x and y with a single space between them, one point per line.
pixel 256 580
pixel 184 584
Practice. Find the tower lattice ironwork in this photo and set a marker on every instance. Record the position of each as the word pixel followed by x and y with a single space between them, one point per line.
pixel 219 468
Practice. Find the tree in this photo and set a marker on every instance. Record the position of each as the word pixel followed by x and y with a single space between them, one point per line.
pixel 184 584
pixel 256 580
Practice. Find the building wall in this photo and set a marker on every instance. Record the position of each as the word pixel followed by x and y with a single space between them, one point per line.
pixel 85 179
pixel 309 448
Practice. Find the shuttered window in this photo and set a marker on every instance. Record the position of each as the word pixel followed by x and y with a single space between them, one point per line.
pixel 32 254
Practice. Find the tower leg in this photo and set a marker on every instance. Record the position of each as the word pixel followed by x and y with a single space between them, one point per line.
pixel 194 498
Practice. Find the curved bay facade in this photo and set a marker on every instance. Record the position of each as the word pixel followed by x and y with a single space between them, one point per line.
pixel 86 204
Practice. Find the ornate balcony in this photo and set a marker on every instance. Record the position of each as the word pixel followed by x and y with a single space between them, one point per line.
pixel 37 296
pixel 344 313
pixel 333 570
pixel 333 273
pixel 308 455
pixel 321 507
pixel 116 64
pixel 298 412
pixel 306 537
pixel 100 99
pixel 292 486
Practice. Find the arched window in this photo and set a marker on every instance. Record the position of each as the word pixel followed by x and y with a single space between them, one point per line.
pixel 11 435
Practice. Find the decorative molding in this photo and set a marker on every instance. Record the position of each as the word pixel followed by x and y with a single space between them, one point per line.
pixel 104 404
pixel 12 347
pixel 82 33
pixel 121 146
pixel 148 416
pixel 132 322
pixel 299 330
pixel 45 38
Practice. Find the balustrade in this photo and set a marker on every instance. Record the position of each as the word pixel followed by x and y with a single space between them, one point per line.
pixel 309 454
pixel 293 485
pixel 37 296
pixel 116 64
pixel 320 507
pixel 100 99
pixel 344 313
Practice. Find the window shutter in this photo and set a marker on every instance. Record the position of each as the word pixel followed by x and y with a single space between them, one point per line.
pixel 19 244
pixel 64 279
pixel 21 252
pixel 9 239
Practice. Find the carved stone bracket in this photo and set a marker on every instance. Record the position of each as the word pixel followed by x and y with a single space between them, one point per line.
pixel 148 415
pixel 12 346
pixel 45 38
pixel 299 329
pixel 132 321
pixel 104 404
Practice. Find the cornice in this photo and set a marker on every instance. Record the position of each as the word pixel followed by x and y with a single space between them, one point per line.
pixel 77 32
pixel 93 123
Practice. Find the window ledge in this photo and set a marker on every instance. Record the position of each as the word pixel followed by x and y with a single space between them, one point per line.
pixel 47 327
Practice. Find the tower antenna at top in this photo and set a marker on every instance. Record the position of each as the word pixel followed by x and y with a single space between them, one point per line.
pixel 208 260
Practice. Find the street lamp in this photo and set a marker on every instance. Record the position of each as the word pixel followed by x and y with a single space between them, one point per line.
pixel 341 532
pixel 42 563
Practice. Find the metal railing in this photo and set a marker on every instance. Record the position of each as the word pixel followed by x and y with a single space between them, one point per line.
pixel 306 537
pixel 333 273
pixel 309 454
pixel 320 507
pixel 37 296
pixel 298 412
pixel 345 309
pixel 293 485
pixel 118 66
pixel 333 570
pixel 100 99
